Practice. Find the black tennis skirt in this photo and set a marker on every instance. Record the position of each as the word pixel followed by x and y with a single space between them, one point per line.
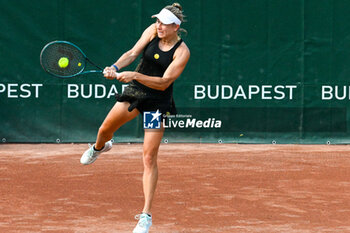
pixel 145 100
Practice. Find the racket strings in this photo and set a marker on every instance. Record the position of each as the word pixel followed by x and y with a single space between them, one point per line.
pixel 52 53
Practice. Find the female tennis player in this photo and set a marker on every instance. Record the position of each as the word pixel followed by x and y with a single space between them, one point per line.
pixel 164 57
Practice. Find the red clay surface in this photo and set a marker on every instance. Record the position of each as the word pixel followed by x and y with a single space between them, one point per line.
pixel 201 188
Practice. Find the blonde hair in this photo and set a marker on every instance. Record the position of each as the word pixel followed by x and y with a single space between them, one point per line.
pixel 176 9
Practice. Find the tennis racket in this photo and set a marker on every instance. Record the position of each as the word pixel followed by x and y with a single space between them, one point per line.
pixel 64 59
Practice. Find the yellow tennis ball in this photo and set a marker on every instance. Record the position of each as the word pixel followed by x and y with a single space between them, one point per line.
pixel 79 64
pixel 156 56
pixel 63 62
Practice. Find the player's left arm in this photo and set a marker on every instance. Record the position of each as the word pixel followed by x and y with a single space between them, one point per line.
pixel 174 70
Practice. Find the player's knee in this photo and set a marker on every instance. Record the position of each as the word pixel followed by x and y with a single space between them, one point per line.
pixel 149 160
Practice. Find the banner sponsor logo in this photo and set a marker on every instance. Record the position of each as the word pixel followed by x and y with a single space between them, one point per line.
pixel 249 92
pixel 151 120
pixel 186 121
pixel 335 92
pixel 200 92
pixel 97 91
pixel 192 123
pixel 17 91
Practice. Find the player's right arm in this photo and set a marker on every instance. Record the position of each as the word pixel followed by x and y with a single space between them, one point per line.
pixel 128 57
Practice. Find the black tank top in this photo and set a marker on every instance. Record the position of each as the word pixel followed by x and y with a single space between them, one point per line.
pixel 154 62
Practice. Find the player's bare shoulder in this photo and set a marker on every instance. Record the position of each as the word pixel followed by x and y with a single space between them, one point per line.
pixel 150 32
pixel 185 48
pixel 182 51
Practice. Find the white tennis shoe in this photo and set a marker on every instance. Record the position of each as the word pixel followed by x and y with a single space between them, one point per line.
pixel 145 222
pixel 90 155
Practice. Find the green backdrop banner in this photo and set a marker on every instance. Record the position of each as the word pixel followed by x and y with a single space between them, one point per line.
pixel 261 71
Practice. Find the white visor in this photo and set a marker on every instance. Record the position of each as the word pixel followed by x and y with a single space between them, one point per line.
pixel 167 17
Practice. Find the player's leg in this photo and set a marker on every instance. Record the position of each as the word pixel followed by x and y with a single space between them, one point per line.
pixel 152 140
pixel 117 117
pixel 151 144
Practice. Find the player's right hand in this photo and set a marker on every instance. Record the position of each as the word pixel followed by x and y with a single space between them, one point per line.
pixel 109 73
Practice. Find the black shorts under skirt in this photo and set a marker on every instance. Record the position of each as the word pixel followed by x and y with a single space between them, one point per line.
pixel 144 100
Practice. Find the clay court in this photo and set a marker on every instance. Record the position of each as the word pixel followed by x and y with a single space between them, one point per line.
pixel 202 188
